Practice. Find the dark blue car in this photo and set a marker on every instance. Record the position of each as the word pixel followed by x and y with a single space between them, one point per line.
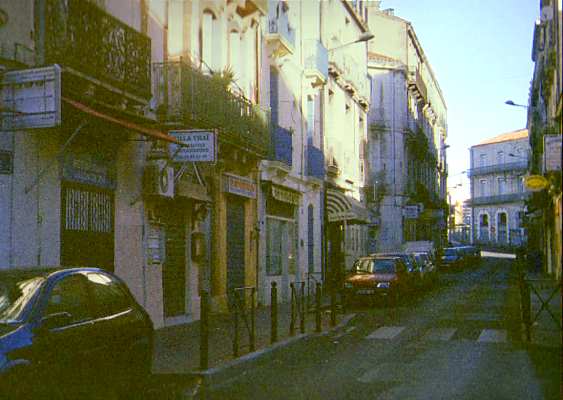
pixel 70 331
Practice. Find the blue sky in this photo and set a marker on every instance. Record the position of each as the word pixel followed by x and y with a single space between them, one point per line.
pixel 480 51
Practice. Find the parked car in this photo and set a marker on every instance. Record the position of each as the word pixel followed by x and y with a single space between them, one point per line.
pixel 412 267
pixel 377 276
pixel 452 257
pixel 65 330
pixel 428 268
pixel 470 254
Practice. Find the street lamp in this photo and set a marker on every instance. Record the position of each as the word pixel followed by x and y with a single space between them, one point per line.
pixel 511 103
pixel 364 37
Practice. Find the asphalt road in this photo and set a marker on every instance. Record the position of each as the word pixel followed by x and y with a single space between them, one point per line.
pixel 460 340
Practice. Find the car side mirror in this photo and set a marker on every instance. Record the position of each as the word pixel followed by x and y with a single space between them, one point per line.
pixel 55 320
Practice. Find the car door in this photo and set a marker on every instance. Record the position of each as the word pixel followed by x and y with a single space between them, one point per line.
pixel 63 345
pixel 121 329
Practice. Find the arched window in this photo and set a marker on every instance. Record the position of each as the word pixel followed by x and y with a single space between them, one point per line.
pixel 207 39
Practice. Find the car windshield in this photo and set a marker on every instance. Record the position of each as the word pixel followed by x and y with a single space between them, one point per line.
pixel 450 252
pixel 15 295
pixel 375 266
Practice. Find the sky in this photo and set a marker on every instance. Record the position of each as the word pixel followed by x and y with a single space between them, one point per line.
pixel 480 52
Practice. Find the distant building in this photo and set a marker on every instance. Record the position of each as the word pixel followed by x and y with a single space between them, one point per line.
pixel 497 191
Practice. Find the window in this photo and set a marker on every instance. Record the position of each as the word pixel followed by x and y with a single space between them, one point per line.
pixel 482 160
pixel 500 157
pixel 207 39
pixel 70 295
pixel 108 296
pixel 501 185
pixel 483 187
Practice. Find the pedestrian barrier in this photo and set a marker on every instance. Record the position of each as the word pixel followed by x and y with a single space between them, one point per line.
pixel 247 312
pixel 297 307
pixel 533 287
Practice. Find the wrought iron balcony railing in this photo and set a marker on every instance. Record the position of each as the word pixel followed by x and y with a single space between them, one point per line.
pixel 283 145
pixel 82 36
pixel 186 96
pixel 316 57
pixel 499 199
pixel 502 167
pixel 315 162
pixel 281 27
pixel 16 53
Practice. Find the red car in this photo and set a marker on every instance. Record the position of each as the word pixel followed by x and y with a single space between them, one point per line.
pixel 378 276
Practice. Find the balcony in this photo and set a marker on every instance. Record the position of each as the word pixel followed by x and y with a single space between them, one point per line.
pixel 499 199
pixel 316 61
pixel 187 97
pixel 280 37
pixel 503 167
pixel 417 85
pixel 283 145
pixel 81 36
pixel 315 162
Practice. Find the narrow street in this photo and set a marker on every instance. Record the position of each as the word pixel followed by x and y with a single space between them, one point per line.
pixel 458 341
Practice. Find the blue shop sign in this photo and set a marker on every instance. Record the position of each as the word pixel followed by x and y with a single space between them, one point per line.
pixel 90 170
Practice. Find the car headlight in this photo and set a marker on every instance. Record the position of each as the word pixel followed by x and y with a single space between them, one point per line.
pixel 348 285
pixel 383 285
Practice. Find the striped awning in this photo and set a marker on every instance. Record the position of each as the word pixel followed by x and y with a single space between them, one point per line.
pixel 344 208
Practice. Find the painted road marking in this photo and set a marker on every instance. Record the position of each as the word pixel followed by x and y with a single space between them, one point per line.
pixel 386 332
pixel 440 334
pixel 492 336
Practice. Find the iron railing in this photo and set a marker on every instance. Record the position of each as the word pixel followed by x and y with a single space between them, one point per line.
pixel 315 162
pixel 501 167
pixel 312 279
pixel 82 36
pixel 499 198
pixel 316 56
pixel 283 145
pixel 297 307
pixel 17 53
pixel 245 309
pixel 186 96
pixel 280 26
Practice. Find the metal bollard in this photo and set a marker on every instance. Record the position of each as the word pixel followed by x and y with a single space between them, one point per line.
pixel 274 313
pixel 235 327
pixel 302 307
pixel 318 321
pixel 292 317
pixel 252 320
pixel 204 331
pixel 333 304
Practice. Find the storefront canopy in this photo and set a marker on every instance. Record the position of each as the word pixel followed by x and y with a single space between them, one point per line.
pixel 146 131
pixel 344 208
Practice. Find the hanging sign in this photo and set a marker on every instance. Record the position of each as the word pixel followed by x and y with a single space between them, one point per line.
pixel 284 195
pixel 240 186
pixel 31 98
pixel 201 146
pixel 535 183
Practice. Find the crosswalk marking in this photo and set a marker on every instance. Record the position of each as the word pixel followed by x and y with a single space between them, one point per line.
pixel 386 332
pixel 439 334
pixel 492 336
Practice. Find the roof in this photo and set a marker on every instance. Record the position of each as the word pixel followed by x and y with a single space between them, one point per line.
pixel 505 137
pixel 378 56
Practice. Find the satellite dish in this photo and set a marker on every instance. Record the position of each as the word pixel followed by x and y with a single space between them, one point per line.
pixel 546 13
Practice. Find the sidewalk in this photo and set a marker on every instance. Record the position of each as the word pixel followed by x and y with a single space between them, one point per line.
pixel 177 347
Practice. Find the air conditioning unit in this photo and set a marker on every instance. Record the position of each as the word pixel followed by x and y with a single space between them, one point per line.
pixel 158 179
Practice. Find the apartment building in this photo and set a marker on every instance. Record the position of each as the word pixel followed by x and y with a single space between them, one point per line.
pixel 498 195
pixel 406 165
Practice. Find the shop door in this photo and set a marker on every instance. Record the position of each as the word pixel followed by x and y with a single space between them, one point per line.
pixel 235 245
pixel 174 269
pixel 87 227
